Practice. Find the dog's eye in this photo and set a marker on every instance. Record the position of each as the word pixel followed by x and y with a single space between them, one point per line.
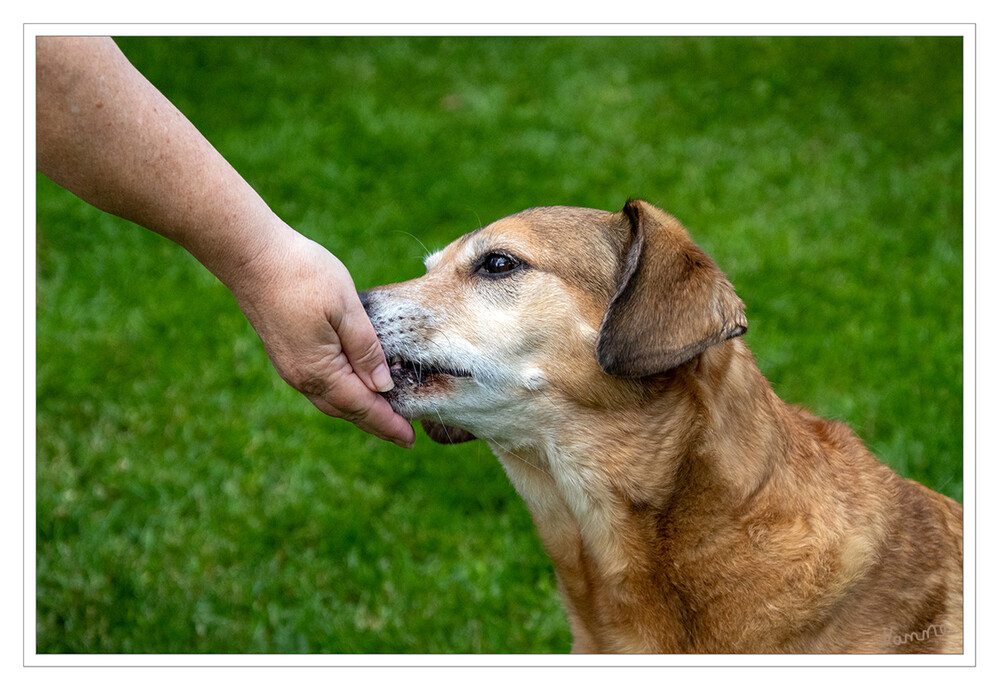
pixel 496 263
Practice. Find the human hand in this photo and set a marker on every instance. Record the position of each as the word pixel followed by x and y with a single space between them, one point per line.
pixel 302 302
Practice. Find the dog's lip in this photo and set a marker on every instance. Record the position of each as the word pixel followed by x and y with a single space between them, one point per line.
pixel 401 367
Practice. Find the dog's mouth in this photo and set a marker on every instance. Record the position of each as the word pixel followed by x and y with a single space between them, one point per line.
pixel 412 373
pixel 409 376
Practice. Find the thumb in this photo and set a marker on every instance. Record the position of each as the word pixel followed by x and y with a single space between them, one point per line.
pixel 360 344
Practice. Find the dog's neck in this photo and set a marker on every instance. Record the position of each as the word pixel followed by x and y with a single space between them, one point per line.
pixel 605 507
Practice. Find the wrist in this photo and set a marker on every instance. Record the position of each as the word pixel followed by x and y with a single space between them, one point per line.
pixel 244 251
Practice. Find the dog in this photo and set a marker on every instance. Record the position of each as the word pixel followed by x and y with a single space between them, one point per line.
pixel 686 508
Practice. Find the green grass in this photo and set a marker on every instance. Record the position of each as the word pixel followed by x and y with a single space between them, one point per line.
pixel 189 501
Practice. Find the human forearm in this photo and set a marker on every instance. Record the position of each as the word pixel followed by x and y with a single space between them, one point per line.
pixel 106 134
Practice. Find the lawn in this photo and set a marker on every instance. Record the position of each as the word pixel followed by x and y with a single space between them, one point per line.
pixel 189 501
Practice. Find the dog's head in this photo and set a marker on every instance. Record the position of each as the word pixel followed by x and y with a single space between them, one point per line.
pixel 517 322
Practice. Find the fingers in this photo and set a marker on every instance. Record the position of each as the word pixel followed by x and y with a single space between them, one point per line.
pixel 350 399
pixel 364 352
pixel 360 344
pixel 382 421
pixel 304 306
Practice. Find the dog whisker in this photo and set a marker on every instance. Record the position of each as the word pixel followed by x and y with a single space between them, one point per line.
pixel 403 232
pixel 522 459
pixel 443 425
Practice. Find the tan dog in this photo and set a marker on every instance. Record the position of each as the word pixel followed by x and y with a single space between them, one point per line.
pixel 685 506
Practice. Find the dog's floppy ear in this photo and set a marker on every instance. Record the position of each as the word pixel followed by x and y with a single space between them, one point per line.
pixel 446 434
pixel 672 301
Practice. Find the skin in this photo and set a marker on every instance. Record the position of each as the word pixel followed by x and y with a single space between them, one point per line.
pixel 110 137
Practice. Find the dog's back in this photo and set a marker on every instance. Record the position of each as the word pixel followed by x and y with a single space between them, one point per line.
pixel 866 561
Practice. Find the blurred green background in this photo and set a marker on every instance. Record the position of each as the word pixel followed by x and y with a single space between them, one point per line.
pixel 189 501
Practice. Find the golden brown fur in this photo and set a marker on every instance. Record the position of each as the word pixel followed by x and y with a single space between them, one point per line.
pixel 686 508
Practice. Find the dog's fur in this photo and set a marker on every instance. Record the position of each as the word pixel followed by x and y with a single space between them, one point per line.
pixel 685 506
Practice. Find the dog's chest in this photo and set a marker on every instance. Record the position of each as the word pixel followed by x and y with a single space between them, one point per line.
pixel 577 519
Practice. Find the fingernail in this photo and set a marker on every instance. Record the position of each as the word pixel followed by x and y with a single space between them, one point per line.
pixel 382 378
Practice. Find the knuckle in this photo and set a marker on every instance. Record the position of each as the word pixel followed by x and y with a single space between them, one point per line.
pixel 313 386
pixel 329 386
pixel 310 381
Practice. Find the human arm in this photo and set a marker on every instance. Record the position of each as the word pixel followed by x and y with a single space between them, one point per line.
pixel 110 137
